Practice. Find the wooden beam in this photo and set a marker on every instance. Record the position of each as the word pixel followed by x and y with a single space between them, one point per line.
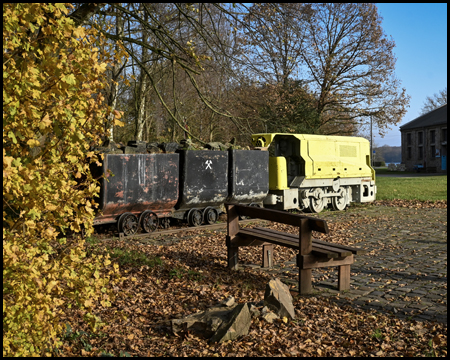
pixel 344 277
pixel 232 220
pixel 280 216
pixel 312 262
pixel 267 258
pixel 304 281
pixel 305 238
pixel 335 247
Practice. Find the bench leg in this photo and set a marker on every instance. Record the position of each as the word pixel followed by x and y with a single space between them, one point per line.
pixel 232 257
pixel 304 281
pixel 344 277
pixel 267 257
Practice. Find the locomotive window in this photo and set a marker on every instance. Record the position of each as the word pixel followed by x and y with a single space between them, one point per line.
pixel 283 146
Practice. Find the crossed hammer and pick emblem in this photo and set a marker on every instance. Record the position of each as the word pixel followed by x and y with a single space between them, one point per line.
pixel 208 164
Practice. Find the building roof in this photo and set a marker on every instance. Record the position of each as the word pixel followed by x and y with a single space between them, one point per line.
pixel 437 116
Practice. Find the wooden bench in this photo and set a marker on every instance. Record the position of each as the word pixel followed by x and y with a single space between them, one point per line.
pixel 311 253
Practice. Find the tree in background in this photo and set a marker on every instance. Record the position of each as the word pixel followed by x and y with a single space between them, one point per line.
pixel 271 42
pixel 168 45
pixel 338 52
pixel 435 101
pixel 209 69
pixel 53 110
pixel 351 66
pixel 289 108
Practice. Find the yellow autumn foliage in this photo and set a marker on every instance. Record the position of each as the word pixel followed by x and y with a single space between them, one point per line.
pixel 52 112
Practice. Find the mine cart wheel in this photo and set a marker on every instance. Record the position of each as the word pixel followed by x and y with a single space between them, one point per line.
pixel 165 223
pixel 194 217
pixel 128 224
pixel 210 215
pixel 149 221
pixel 339 203
pixel 317 205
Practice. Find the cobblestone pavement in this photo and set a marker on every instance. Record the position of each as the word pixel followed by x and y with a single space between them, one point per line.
pixel 404 271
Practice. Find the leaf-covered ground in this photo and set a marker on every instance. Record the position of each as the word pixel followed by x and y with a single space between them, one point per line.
pixel 191 275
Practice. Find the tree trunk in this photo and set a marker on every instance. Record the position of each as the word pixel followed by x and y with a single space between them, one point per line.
pixel 112 100
pixel 142 91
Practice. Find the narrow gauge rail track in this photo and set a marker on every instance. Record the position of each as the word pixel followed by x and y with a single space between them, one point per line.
pixel 144 236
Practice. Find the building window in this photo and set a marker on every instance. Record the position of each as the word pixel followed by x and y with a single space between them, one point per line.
pixel 432 136
pixel 420 138
pixel 408 155
pixel 420 152
pixel 408 139
pixel 444 135
pixel 433 151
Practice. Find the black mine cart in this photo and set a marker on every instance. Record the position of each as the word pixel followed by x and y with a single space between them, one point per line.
pixel 138 189
pixel 203 186
pixel 248 177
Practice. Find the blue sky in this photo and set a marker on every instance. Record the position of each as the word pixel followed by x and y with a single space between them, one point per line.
pixel 420 35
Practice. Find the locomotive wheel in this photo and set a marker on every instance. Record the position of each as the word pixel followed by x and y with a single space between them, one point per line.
pixel 149 221
pixel 128 224
pixel 210 215
pixel 194 217
pixel 317 205
pixel 339 203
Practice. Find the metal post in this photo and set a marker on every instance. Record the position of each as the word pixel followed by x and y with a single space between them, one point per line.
pixel 371 142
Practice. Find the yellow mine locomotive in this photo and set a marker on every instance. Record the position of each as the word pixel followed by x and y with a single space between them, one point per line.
pixel 309 172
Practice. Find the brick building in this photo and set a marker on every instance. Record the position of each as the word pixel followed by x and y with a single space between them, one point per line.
pixel 424 141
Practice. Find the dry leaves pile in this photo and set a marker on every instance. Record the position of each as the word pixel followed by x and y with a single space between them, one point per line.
pixel 192 276
pixel 416 204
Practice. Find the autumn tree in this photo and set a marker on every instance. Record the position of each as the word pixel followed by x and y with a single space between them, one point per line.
pixel 179 43
pixel 340 56
pixel 272 41
pixel 351 66
pixel 53 111
pixel 435 101
pixel 271 38
pixel 320 68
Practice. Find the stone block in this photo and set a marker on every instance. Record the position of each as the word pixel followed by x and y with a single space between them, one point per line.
pixel 270 317
pixel 278 298
pixel 237 325
pixel 205 323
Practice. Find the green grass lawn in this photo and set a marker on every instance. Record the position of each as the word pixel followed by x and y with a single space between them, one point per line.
pixel 419 188
pixel 384 170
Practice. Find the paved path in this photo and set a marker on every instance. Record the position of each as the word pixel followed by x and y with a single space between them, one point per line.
pixel 405 270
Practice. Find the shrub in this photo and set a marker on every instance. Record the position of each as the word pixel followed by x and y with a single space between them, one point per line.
pixel 52 111
pixel 379 163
